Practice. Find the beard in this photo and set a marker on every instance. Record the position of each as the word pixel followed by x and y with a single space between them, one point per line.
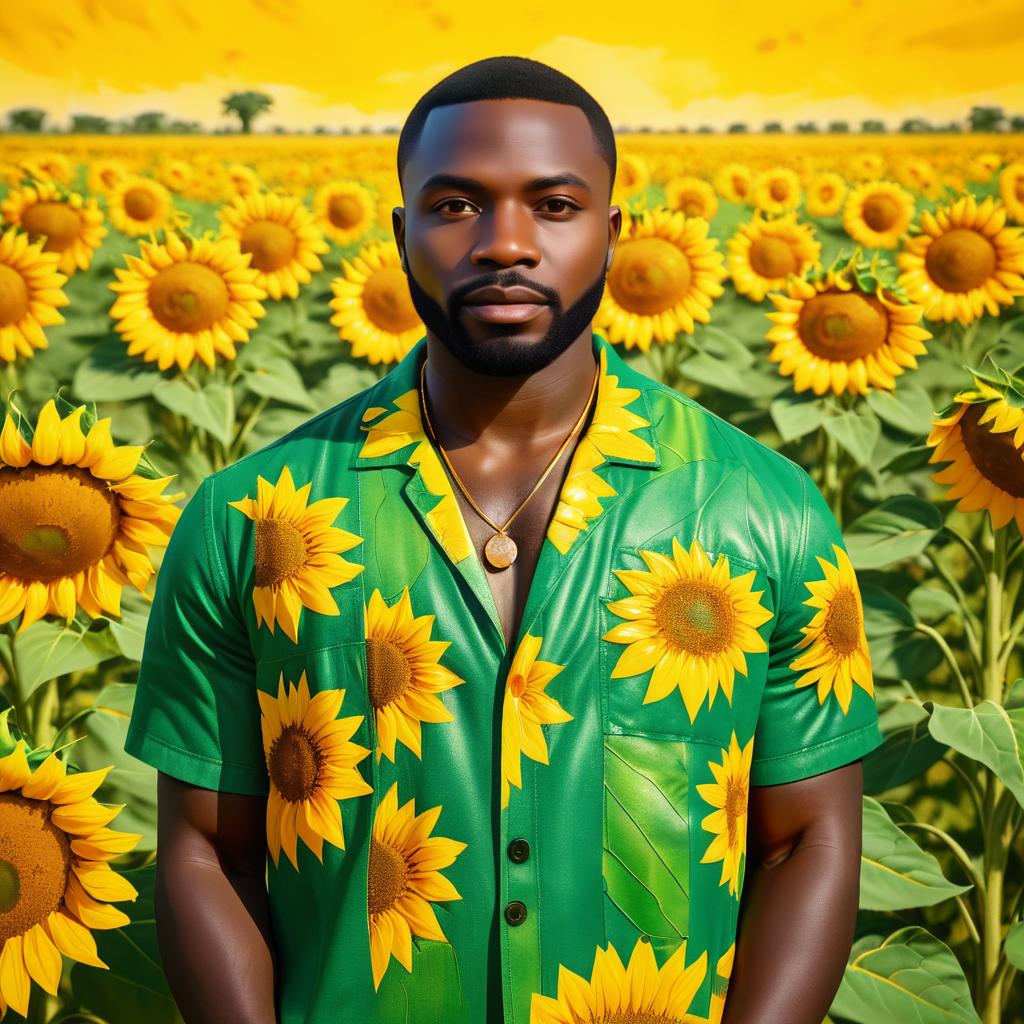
pixel 503 354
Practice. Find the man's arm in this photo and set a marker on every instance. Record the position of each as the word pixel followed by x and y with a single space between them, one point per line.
pixel 212 911
pixel 800 895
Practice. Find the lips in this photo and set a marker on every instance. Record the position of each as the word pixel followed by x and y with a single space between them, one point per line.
pixel 514 305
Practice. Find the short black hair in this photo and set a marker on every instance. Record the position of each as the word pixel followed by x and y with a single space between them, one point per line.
pixel 502 78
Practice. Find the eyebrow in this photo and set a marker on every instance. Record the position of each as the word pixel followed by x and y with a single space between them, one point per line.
pixel 472 185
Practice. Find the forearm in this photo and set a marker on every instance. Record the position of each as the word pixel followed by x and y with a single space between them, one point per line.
pixel 795 931
pixel 216 942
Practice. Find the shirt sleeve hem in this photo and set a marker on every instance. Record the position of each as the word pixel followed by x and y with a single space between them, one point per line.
pixel 822 757
pixel 195 769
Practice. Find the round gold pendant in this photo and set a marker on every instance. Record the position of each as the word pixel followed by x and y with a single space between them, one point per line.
pixel 501 551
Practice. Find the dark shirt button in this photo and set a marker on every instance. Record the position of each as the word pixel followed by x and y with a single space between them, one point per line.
pixel 515 912
pixel 518 850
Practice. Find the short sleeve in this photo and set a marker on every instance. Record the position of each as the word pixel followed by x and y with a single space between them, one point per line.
pixel 196 713
pixel 818 711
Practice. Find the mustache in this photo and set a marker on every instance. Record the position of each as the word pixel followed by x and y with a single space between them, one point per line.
pixel 505 280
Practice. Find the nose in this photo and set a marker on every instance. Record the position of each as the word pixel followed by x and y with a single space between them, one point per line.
pixel 507 236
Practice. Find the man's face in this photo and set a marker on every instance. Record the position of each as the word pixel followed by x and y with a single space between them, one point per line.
pixel 503 193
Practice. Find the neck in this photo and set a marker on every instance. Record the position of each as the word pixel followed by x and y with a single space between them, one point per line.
pixel 466 407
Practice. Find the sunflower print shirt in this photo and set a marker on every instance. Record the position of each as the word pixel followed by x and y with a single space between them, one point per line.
pixel 552 833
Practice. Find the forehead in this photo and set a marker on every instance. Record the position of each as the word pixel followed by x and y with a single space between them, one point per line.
pixel 501 142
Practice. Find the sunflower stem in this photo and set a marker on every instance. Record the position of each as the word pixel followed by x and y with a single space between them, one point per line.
pixel 965 690
pixel 236 447
pixel 21 706
pixel 45 701
pixel 11 380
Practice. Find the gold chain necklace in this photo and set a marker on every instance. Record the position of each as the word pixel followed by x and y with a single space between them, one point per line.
pixel 500 549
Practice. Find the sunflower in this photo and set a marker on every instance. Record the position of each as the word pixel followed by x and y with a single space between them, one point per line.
pixel 763 253
pixel 877 214
pixel 138 205
pixel 77 519
pixel 982 438
pixel 30 292
pixel 105 174
pixel 1011 188
pixel 664 277
pixel 720 986
pixel 966 261
pixel 610 433
pixel 186 298
pixel 735 182
pixel 632 176
pixel 833 334
pixel 55 875
pixel 174 173
pixel 918 174
pixel 694 196
pixel 373 308
pixel 404 674
pixel 296 552
pixel 280 233
pixel 777 190
pixel 642 992
pixel 344 210
pixel 728 822
pixel 389 196
pixel 837 654
pixel 311 763
pixel 404 878
pixel 825 194
pixel 867 166
pixel 49 166
pixel 70 225
pixel 244 180
pixel 689 621
pixel 525 708
pixel 983 166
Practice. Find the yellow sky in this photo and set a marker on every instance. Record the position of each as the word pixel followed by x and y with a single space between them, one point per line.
pixel 334 62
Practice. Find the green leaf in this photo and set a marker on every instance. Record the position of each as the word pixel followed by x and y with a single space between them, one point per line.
pixel 431 994
pixel 723 345
pixel 898 528
pixel 1014 945
pixel 108 372
pixel 856 432
pixel 212 408
pixel 795 416
pixel 278 378
pixel 908 409
pixel 909 749
pixel 48 649
pixel 895 873
pixel 646 872
pixel 989 733
pixel 897 649
pixel 910 976
pixel 135 987
pixel 932 604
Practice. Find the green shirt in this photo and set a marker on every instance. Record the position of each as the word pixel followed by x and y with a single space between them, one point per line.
pixel 459 832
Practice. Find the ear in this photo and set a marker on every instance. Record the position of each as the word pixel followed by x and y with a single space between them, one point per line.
pixel 398 226
pixel 614 229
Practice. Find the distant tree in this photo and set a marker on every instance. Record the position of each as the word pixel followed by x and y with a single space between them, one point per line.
pixel 986 119
pixel 279 129
pixel 184 128
pixel 705 129
pixel 644 129
pixel 365 130
pixel 149 122
pixel 772 127
pixel 90 124
pixel 391 129
pixel 321 130
pixel 806 127
pixel 872 125
pixel 682 129
pixel 839 126
pixel 1017 123
pixel 26 119
pixel 246 105
pixel 915 125
pixel 953 126
pixel 346 129
pixel 736 128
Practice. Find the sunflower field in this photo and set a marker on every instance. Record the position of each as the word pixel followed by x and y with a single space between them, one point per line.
pixel 169 306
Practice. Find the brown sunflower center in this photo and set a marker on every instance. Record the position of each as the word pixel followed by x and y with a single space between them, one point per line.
pixel 695 616
pixel 842 627
pixel 387 669
pixel 994 455
pixel 778 190
pixel 344 211
pixel 843 326
pixel 880 211
pixel 387 301
pixel 826 192
pixel 187 297
pixel 294 763
pixel 56 521
pixel 692 204
pixel 740 185
pixel 280 552
pixel 387 876
pixel 139 203
pixel 773 257
pixel 634 1017
pixel 35 856
pixel 735 808
pixel 60 223
pixel 960 260
pixel 110 177
pixel 517 684
pixel 13 296
pixel 1018 188
pixel 649 275
pixel 272 245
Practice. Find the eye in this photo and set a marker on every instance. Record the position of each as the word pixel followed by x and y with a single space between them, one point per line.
pixel 442 205
pixel 565 203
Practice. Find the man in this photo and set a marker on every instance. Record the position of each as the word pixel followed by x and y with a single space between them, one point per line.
pixel 521 666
